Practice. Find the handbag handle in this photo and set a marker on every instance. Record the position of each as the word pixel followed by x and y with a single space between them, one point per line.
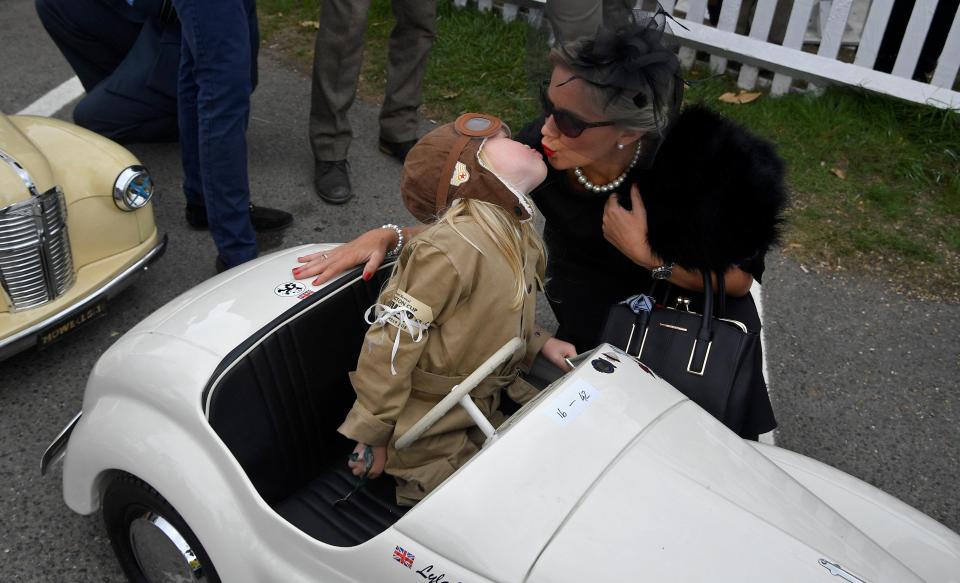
pixel 721 294
pixel 700 352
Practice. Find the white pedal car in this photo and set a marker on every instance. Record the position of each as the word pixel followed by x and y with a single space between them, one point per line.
pixel 208 441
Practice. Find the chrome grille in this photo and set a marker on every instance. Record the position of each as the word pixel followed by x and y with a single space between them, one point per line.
pixel 36 265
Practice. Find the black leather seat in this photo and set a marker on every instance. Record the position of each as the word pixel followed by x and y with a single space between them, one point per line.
pixel 278 407
pixel 367 513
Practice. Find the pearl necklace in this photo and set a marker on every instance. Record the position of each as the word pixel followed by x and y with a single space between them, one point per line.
pixel 613 185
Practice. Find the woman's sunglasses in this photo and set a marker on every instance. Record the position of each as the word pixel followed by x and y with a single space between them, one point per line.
pixel 568 124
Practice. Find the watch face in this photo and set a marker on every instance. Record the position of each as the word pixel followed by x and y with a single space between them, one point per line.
pixel 662 272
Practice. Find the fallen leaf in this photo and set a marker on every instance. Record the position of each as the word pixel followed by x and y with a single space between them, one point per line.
pixel 314 24
pixel 839 173
pixel 451 94
pixel 739 98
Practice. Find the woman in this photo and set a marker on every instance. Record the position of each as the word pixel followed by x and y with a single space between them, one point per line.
pixel 607 105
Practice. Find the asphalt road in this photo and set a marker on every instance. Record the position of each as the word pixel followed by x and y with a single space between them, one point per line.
pixel 861 378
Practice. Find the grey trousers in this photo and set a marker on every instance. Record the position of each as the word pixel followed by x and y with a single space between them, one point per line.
pixel 336 69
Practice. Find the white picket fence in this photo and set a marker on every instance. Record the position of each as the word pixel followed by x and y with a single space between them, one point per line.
pixel 792 60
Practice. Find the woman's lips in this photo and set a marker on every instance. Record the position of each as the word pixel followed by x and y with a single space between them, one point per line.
pixel 550 153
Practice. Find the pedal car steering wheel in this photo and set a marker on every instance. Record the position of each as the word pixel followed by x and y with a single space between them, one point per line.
pixel 461 394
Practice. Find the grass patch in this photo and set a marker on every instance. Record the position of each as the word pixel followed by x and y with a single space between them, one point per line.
pixel 875 181
pixel 476 64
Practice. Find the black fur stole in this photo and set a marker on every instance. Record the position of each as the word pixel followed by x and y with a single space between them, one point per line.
pixel 715 194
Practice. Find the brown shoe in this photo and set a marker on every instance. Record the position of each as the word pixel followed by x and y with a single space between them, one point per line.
pixel 332 181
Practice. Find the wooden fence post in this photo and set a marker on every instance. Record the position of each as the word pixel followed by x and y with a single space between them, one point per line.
pixel 696 9
pixel 729 15
pixel 760 30
pixel 913 38
pixel 873 33
pixel 949 63
pixel 796 28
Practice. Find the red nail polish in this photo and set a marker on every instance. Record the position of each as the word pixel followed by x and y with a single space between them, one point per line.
pixel 367 276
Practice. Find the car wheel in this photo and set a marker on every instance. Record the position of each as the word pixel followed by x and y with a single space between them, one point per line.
pixel 151 541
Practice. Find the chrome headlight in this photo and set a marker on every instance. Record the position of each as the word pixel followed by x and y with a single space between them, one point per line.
pixel 133 188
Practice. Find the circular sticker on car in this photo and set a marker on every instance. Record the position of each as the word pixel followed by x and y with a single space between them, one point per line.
pixel 289 289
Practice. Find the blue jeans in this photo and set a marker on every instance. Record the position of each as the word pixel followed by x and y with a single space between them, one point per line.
pixel 126 60
pixel 217 75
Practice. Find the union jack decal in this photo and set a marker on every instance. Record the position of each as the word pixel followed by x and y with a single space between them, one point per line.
pixel 403 557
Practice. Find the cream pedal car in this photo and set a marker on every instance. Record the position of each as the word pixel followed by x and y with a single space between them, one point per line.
pixel 76 227
pixel 208 441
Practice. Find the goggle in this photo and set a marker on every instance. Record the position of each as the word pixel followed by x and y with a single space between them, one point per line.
pixel 568 124
pixel 479 125
pixel 470 126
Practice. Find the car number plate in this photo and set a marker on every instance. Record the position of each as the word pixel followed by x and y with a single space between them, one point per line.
pixel 61 328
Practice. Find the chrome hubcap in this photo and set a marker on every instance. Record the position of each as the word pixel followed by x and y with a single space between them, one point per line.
pixel 161 551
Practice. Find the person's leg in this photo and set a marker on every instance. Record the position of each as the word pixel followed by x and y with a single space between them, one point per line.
pixel 93 36
pixel 338 55
pixel 189 125
pixel 410 43
pixel 216 93
pixel 137 102
pixel 127 120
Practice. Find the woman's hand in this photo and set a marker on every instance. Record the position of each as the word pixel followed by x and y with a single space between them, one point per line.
pixel 627 229
pixel 370 248
pixel 557 351
pixel 379 460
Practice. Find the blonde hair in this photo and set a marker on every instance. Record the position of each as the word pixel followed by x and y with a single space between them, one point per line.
pixel 510 237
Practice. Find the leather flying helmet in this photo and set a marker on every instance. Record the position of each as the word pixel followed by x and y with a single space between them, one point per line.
pixel 445 165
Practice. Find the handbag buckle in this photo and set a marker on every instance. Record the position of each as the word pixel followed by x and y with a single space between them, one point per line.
pixel 706 356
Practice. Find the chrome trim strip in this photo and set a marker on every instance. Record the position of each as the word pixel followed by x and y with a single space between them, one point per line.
pixel 27 337
pixel 58 446
pixel 36 262
pixel 21 172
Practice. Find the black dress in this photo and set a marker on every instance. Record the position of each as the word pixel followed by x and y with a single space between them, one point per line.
pixel 586 274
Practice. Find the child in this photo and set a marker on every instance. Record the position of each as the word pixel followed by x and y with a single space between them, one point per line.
pixel 459 291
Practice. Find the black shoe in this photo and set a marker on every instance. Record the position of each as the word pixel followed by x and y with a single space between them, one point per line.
pixel 262 218
pixel 332 181
pixel 398 150
pixel 265 219
pixel 197 216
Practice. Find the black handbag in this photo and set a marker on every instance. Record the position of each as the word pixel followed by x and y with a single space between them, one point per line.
pixel 710 359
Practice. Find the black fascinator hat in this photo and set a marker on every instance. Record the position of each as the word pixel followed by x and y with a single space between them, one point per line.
pixel 715 195
pixel 633 54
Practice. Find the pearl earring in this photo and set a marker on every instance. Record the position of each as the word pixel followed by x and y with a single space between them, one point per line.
pixel 619 146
